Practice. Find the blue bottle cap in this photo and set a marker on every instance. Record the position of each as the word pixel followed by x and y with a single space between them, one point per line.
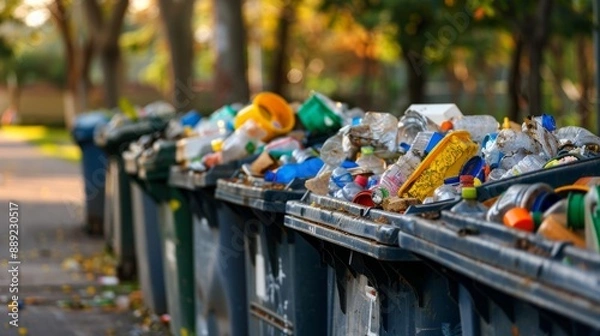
pixel 191 118
pixel 544 201
pixel 229 125
pixel 356 121
pixel 474 167
pixel 349 164
pixel 270 176
pixel 405 146
pixel 452 180
pixel 489 137
pixel 548 122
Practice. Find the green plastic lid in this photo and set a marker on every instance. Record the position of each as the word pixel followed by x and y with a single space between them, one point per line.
pixel 367 150
pixel 538 217
pixel 469 193
pixel 576 211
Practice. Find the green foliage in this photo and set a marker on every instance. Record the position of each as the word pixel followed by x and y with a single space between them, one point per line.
pixel 33 66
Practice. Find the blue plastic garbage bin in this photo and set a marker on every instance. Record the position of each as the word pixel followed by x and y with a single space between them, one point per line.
pixel 375 287
pixel 94 165
pixel 148 246
pixel 286 282
pixel 509 282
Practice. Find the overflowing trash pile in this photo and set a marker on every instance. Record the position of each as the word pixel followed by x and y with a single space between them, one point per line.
pixel 432 153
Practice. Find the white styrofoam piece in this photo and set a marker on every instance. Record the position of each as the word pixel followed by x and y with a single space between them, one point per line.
pixel 437 112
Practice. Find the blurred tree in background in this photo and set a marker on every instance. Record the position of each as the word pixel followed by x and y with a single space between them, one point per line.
pixel 500 57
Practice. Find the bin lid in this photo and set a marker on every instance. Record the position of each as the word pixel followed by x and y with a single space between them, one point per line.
pixel 86 123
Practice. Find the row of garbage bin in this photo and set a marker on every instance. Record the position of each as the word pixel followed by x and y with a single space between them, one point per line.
pixel 225 251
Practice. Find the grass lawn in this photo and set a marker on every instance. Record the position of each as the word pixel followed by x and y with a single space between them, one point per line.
pixel 54 142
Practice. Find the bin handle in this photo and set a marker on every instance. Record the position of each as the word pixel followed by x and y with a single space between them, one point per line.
pixel 558 248
pixel 305 196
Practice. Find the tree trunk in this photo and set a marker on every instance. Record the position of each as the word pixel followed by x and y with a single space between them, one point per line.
pixel 60 16
pixel 110 61
pixel 514 80
pixel 585 81
pixel 558 72
pixel 489 92
pixel 537 43
pixel 84 82
pixel 281 58
pixel 14 91
pixel 454 84
pixel 364 93
pixel 177 21
pixel 415 66
pixel 105 33
pixel 231 80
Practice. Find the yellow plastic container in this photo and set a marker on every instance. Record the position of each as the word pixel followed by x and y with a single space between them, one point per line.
pixel 271 112
pixel 445 160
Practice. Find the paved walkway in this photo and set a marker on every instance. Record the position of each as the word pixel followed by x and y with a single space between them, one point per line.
pixel 49 193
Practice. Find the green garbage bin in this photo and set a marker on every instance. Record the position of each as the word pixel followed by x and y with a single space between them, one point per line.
pixel 219 257
pixel 114 138
pixel 175 222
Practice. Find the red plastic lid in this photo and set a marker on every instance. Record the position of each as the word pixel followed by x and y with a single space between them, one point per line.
pixel 361 180
pixel 364 198
pixel 467 180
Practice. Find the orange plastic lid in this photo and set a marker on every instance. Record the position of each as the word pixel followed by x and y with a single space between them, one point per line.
pixel 519 218
pixel 446 126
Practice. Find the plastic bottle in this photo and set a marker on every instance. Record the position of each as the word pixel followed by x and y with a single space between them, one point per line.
pixel 449 190
pixel 559 221
pixel 332 152
pixel 421 142
pixel 509 141
pixel 577 136
pixel 518 195
pixel 477 125
pixel 546 139
pixel 592 219
pixel 243 142
pixel 496 174
pixel 377 130
pixel 219 123
pixel 286 173
pixel 350 190
pixel 339 178
pixel 554 228
pixel 301 155
pixel 509 161
pixel 394 176
pixel 490 151
pixel 411 124
pixel 528 164
pixel 369 161
pixel 283 144
pixel 469 205
pixel 373 181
